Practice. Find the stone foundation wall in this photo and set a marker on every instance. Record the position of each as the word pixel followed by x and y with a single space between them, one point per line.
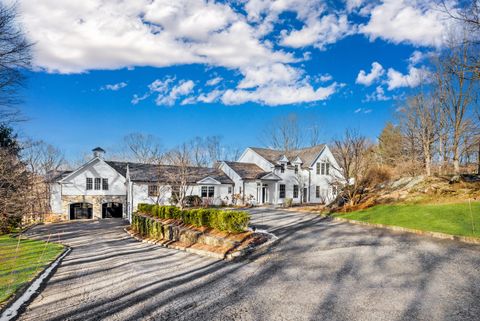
pixel 95 200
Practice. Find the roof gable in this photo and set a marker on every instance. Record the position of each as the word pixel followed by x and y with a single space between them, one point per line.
pixel 208 181
pixel 307 155
pixel 247 171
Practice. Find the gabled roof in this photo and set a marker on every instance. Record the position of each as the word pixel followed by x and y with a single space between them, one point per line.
pixel 307 155
pixel 57 175
pixel 163 173
pixel 247 170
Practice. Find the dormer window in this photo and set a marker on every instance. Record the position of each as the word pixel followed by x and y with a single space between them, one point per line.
pixel 296 169
pixel 282 168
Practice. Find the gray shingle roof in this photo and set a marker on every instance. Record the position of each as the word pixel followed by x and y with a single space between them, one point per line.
pixel 54 176
pixel 307 155
pixel 247 170
pixel 163 173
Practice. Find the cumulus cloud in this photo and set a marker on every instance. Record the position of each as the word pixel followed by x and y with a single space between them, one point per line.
pixel 279 95
pixel 114 87
pixel 413 78
pixel 318 32
pixel 167 94
pixel 413 21
pixel 375 73
pixel 79 36
pixel 377 95
pixel 87 35
pixel 214 81
pixel 210 97
pixel 183 88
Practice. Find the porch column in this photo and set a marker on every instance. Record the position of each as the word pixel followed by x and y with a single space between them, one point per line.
pixel 275 197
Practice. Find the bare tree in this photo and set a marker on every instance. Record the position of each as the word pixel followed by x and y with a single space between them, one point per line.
pixel 284 133
pixel 178 174
pixel 41 157
pixel 14 57
pixel 143 148
pixel 456 90
pixel 419 116
pixel 198 153
pixel 352 152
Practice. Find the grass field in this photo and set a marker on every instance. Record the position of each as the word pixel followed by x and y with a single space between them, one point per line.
pixel 456 219
pixel 19 266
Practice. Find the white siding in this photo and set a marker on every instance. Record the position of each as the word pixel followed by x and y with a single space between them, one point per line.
pixel 56 198
pixel 249 156
pixel 76 184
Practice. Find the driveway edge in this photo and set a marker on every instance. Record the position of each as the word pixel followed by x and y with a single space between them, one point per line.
pixel 437 235
pixel 28 292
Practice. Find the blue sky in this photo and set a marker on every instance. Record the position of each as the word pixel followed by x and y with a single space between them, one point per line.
pixel 196 68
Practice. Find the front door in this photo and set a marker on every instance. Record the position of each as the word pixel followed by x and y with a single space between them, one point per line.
pixel 264 193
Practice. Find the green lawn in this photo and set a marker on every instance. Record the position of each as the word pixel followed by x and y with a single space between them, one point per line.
pixel 455 219
pixel 18 267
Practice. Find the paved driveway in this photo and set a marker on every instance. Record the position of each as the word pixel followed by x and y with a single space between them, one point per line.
pixel 321 270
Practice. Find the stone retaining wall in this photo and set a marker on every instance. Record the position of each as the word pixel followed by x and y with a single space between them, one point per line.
pixel 174 232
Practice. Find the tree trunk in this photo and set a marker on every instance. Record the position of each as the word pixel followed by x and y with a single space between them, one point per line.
pixel 478 160
pixel 428 165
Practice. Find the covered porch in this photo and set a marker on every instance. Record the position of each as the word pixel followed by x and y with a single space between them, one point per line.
pixel 268 189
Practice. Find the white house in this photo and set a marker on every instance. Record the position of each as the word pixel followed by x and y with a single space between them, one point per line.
pixel 271 177
pixel 102 188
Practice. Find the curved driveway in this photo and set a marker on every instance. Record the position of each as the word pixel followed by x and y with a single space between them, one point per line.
pixel 320 270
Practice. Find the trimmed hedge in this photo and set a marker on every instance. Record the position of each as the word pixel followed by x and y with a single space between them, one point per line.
pixel 228 221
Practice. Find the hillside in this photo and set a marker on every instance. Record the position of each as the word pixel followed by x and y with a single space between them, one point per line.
pixel 420 190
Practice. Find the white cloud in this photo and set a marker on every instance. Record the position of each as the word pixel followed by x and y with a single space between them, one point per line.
pixel 375 73
pixel 114 87
pixel 95 34
pixel 318 32
pixel 278 74
pixel 184 88
pixel 279 95
pixel 214 81
pixel 413 78
pixel 419 22
pixel 363 111
pixel 210 97
pixel 324 77
pixel 377 95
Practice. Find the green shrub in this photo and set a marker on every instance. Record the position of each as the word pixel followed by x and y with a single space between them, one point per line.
pixel 228 221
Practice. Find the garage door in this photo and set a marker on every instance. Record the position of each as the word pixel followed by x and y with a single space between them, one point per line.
pixel 112 210
pixel 81 211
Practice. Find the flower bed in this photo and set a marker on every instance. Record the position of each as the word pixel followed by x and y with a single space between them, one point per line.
pixel 227 221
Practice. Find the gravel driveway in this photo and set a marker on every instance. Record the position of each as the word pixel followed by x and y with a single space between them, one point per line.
pixel 320 270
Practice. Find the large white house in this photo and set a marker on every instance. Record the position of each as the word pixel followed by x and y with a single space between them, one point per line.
pixel 102 188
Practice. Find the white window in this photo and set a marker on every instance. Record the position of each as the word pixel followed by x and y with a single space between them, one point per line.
pixel 229 190
pixel 282 168
pixel 105 184
pixel 208 191
pixel 152 190
pixel 295 191
pixel 98 181
pixel 318 168
pixel 325 168
pixel 282 191
pixel 317 191
pixel 89 183
pixel 296 169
